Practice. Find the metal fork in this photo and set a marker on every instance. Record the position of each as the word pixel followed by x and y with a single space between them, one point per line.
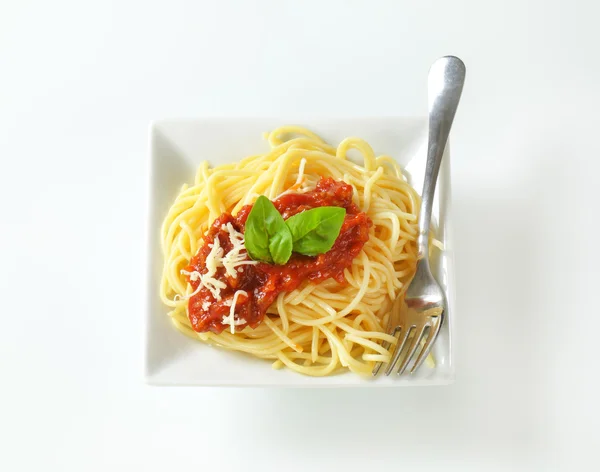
pixel 419 317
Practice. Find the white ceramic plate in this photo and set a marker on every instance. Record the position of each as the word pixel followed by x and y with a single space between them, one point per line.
pixel 178 147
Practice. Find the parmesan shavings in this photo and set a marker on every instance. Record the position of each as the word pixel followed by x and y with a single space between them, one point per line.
pixel 216 258
pixel 298 185
pixel 301 171
pixel 230 319
pixel 237 256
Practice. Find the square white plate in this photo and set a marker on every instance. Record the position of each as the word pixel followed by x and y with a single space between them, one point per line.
pixel 178 147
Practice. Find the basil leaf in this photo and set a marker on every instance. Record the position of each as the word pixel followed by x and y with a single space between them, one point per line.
pixel 266 236
pixel 280 244
pixel 315 231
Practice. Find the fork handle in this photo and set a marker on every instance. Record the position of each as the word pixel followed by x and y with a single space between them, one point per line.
pixel 445 84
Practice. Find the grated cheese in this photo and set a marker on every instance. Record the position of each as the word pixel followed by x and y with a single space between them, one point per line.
pixel 230 319
pixel 213 262
pixel 231 262
pixel 237 256
pixel 298 186
pixel 301 171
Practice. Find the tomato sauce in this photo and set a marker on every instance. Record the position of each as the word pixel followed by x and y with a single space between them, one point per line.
pixel 264 282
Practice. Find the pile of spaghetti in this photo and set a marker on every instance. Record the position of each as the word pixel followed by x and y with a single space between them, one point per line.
pixel 322 323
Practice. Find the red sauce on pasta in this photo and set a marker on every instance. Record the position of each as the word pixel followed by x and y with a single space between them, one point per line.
pixel 263 282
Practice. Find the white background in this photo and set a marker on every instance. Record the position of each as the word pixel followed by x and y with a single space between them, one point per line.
pixel 79 84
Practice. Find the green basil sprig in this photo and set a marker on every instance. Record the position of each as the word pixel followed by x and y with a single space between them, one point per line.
pixel 269 238
pixel 314 231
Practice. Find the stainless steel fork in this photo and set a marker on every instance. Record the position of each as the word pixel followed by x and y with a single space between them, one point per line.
pixel 418 315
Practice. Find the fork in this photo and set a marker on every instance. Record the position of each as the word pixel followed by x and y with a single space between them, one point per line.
pixel 419 317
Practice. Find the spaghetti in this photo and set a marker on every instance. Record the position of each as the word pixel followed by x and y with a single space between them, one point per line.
pixel 319 327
